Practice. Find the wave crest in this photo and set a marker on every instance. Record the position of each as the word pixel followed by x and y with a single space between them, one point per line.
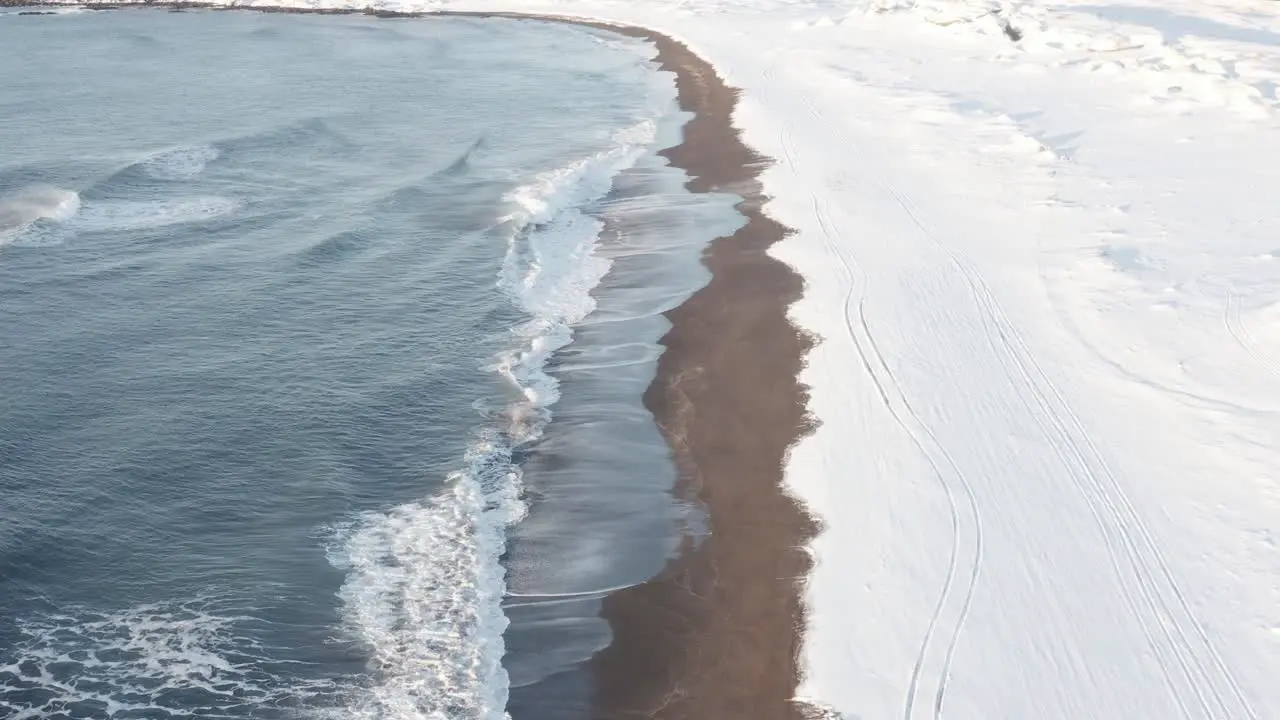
pixel 21 211
pixel 181 163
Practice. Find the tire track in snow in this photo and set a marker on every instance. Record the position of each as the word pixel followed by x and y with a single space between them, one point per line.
pixel 1126 533
pixel 955 598
pixel 1206 674
pixel 1236 328
pixel 966 518
pixel 1194 673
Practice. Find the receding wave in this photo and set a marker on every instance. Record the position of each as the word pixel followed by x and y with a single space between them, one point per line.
pixel 551 266
pixel 155 660
pixel 424 583
pixel 22 210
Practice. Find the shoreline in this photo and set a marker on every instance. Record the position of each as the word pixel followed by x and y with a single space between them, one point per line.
pixel 717 632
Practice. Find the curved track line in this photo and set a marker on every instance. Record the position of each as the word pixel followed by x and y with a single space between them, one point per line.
pixel 1141 551
pixel 965 521
pixel 1240 333
pixel 1161 608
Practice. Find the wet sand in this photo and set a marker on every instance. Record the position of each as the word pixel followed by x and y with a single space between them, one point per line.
pixel 717 633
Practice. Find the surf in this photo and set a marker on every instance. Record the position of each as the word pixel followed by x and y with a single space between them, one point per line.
pixel 24 208
pixel 424 580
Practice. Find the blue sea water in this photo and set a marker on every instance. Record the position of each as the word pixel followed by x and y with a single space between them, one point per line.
pixel 322 344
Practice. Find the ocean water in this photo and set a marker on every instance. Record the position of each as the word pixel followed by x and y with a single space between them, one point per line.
pixel 323 341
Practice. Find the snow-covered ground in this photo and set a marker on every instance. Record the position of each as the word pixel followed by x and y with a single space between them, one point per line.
pixel 1046 275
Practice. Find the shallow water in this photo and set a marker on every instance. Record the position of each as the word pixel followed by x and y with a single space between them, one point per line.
pixel 307 321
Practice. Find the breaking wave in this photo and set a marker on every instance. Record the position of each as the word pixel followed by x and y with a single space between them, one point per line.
pixel 20 212
pixel 424 583
pixel 45 215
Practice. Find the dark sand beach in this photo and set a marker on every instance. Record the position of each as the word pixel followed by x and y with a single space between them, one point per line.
pixel 717 633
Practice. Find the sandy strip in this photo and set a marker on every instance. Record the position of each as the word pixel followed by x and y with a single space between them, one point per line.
pixel 717 633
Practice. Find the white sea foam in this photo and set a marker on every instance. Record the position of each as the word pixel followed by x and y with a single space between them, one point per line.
pixel 143 214
pixel 424 583
pixel 45 215
pixel 133 660
pixel 551 266
pixel 181 163
pixel 581 181
pixel 423 591
pixel 20 211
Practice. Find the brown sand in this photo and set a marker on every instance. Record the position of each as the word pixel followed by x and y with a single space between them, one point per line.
pixel 716 634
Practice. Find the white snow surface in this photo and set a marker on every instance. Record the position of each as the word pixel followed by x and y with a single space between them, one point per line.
pixel 1046 278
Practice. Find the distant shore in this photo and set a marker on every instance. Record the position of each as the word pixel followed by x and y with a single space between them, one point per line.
pixel 717 633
